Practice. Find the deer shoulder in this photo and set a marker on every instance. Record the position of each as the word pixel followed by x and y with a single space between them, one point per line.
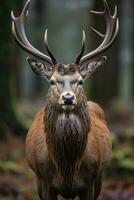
pixel 36 148
pixel 99 139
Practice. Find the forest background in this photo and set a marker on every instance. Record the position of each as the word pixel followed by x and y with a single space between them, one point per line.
pixel 23 93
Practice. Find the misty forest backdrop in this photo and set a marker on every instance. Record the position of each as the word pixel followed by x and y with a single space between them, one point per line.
pixel 23 93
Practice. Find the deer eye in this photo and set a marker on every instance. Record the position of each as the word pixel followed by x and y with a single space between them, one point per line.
pixel 52 82
pixel 80 82
pixel 60 82
pixel 73 81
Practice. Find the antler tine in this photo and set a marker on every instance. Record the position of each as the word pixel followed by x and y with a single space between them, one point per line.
pixel 97 32
pixel 82 49
pixel 17 27
pixel 112 28
pixel 18 30
pixel 110 21
pixel 115 13
pixel 97 12
pixel 48 49
pixel 106 9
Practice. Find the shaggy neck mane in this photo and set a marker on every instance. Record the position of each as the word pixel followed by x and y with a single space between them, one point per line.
pixel 66 135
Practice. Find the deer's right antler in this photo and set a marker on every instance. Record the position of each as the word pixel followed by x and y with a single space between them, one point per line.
pixel 18 30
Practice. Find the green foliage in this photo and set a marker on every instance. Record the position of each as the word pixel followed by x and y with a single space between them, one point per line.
pixel 4 198
pixel 130 134
pixel 122 160
pixel 114 140
pixel 10 167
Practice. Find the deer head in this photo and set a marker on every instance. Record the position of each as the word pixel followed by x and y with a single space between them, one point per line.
pixel 66 80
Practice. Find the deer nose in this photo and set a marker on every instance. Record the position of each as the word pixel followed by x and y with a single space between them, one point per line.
pixel 68 99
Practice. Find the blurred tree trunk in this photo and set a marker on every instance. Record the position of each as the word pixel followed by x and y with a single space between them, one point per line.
pixel 8 119
pixel 104 83
pixel 126 58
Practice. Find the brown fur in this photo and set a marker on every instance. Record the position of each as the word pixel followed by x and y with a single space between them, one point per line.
pixel 69 163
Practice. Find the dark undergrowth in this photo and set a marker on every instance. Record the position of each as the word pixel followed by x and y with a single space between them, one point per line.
pixel 17 181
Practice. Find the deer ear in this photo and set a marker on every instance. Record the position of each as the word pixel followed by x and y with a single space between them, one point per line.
pixel 40 69
pixel 91 68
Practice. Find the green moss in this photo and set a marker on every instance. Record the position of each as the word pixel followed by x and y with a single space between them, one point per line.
pixel 127 164
pixel 10 166
pixel 130 134
pixel 114 140
pixel 4 198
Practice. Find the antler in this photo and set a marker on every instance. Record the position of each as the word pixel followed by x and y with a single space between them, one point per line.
pixel 82 49
pixel 18 30
pixel 112 28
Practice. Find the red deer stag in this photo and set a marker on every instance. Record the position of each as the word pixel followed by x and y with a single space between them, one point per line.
pixel 69 141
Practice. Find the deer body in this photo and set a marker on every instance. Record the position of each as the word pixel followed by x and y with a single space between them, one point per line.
pixel 69 141
pixel 87 178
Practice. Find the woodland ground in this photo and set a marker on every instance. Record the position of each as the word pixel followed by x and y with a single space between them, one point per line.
pixel 17 182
